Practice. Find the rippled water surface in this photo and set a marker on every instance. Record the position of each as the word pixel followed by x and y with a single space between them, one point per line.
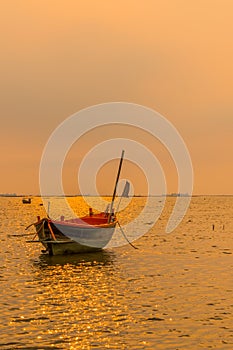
pixel 174 292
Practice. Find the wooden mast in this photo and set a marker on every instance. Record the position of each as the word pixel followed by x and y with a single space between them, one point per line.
pixel 115 188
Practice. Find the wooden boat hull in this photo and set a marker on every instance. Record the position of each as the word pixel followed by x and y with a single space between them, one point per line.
pixel 64 248
pixel 70 238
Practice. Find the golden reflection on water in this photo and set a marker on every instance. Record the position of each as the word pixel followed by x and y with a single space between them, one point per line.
pixel 81 289
pixel 174 292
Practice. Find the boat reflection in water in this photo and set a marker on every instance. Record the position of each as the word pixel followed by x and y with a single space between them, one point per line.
pixel 101 258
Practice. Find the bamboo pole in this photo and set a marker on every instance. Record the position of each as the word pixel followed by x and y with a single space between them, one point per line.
pixel 116 183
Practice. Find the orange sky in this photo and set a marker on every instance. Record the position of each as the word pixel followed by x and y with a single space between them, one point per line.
pixel 175 57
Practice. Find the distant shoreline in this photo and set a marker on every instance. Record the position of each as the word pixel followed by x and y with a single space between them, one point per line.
pixel 172 195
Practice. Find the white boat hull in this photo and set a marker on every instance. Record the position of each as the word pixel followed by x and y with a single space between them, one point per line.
pixel 59 238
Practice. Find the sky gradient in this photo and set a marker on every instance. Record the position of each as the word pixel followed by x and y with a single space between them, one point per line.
pixel 58 57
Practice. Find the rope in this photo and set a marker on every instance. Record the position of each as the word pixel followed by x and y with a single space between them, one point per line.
pixel 124 235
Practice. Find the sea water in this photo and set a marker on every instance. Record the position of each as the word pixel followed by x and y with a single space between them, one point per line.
pixel 174 292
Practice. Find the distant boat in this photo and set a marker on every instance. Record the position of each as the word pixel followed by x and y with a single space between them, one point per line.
pixel 78 235
pixel 126 190
pixel 26 200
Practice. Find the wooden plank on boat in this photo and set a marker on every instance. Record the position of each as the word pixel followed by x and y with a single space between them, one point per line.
pixel 46 241
pixel 34 241
pixel 58 242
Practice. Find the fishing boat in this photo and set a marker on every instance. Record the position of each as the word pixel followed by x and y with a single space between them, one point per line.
pixel 26 200
pixel 78 235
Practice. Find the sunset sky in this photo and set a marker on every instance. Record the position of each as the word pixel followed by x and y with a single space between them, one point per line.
pixel 175 57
